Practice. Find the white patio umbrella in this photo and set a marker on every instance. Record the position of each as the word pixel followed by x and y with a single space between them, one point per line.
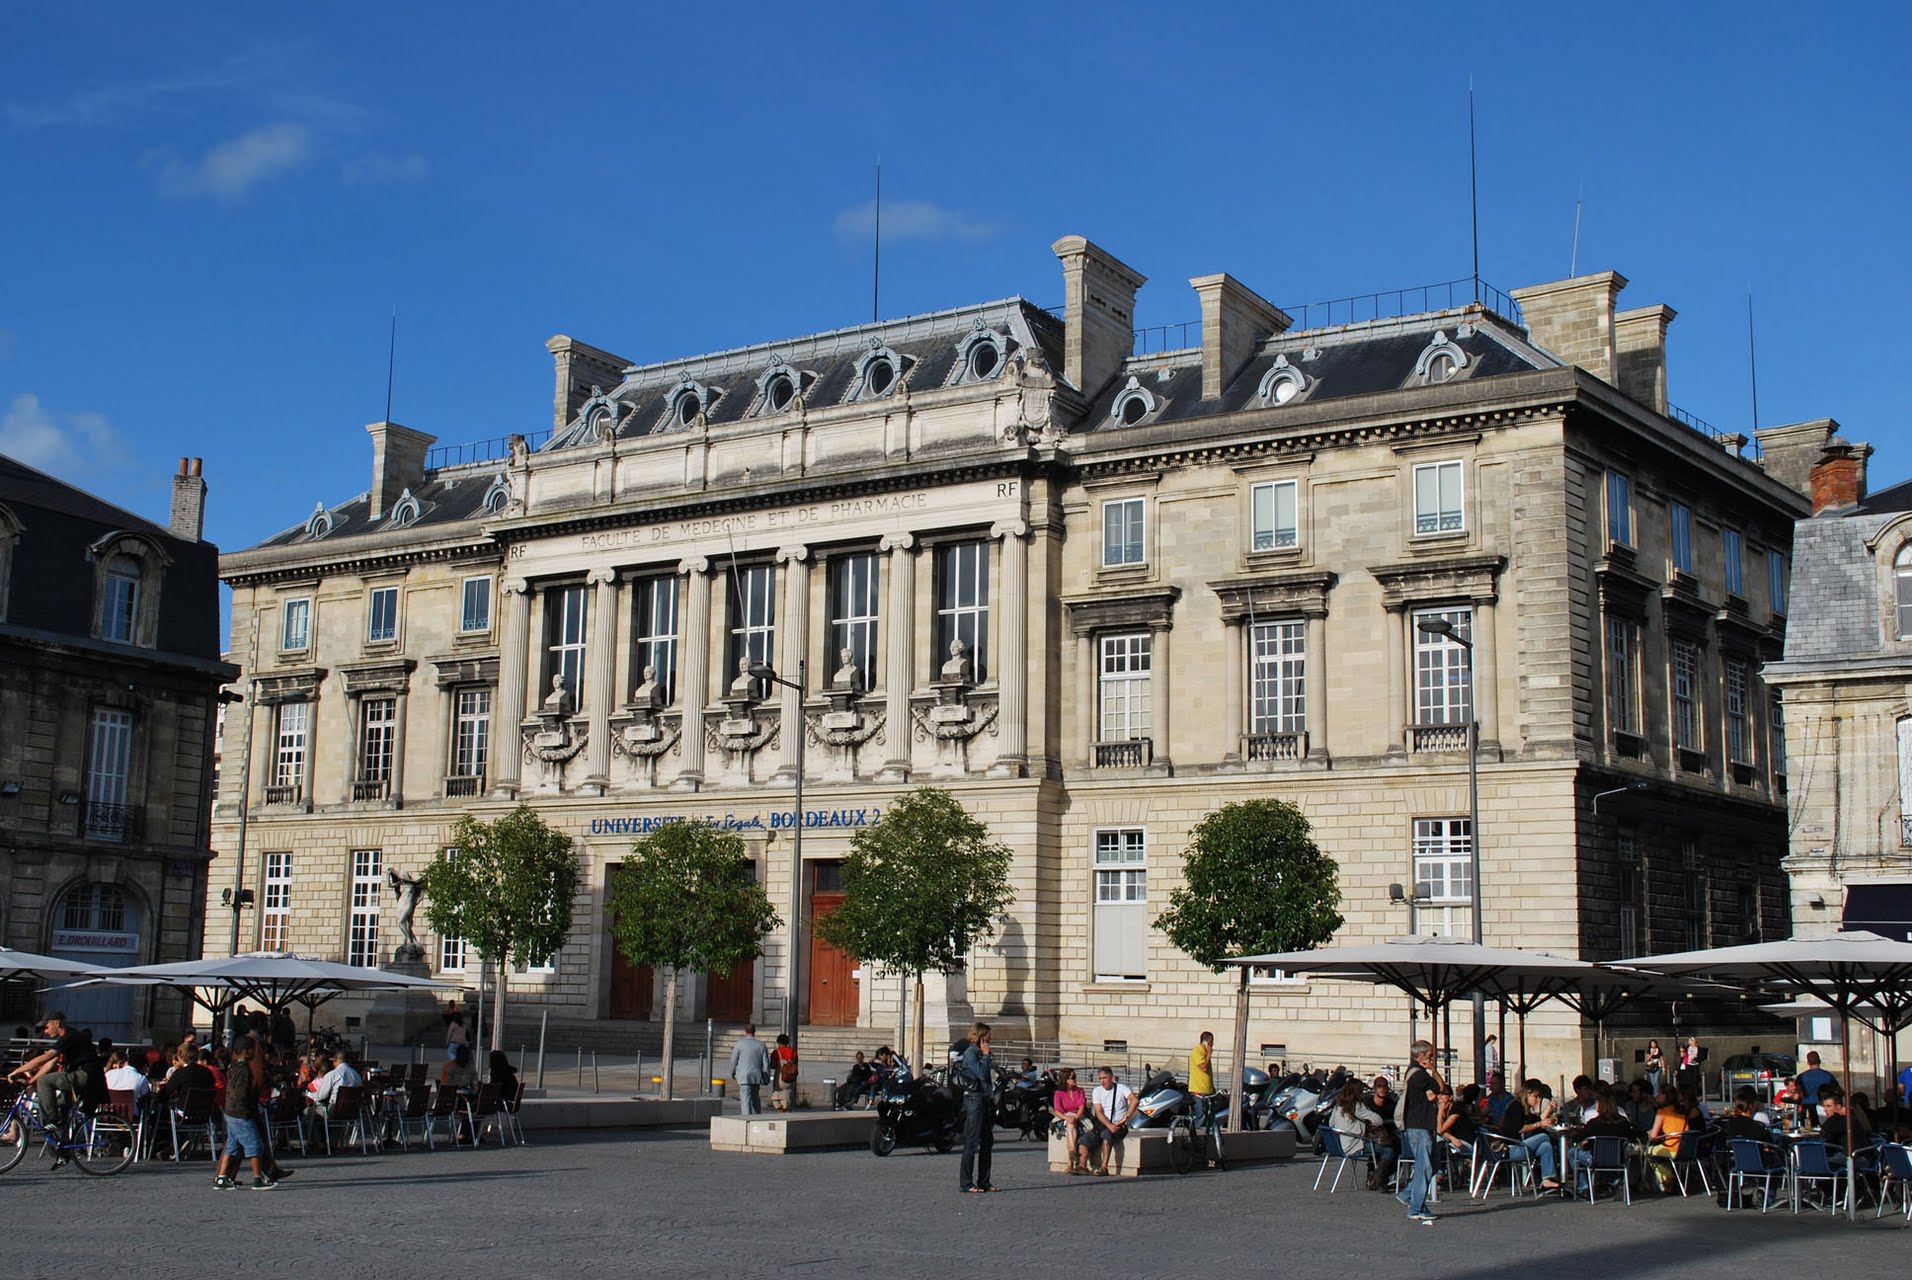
pixel 1859 975
pixel 26 964
pixel 274 979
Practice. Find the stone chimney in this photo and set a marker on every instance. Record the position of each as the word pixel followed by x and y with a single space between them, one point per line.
pixel 1573 319
pixel 1838 479
pixel 580 366
pixel 1639 352
pixel 1234 321
pixel 398 462
pixel 1098 312
pixel 189 501
pixel 1789 452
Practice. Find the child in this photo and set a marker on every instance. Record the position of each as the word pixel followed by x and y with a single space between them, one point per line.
pixel 242 1121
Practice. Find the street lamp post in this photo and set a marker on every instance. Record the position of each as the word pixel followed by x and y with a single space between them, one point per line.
pixel 764 671
pixel 1442 627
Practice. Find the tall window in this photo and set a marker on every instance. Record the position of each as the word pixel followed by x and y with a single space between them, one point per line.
pixel 1437 498
pixel 1735 682
pixel 1121 904
pixel 1776 580
pixel 962 603
pixel 1125 686
pixel 1441 694
pixel 378 729
pixel 753 619
pixel 119 600
pixel 289 745
pixel 95 908
pixel 1733 553
pixel 1902 590
pixel 1631 893
pixel 1623 685
pixel 361 944
pixel 1686 717
pixel 1122 531
pixel 451 948
pixel 853 588
pixel 474 613
pixel 1695 897
pixel 1278 678
pixel 1620 508
pixel 1444 875
pixel 275 904
pixel 1776 734
pixel 471 732
pixel 295 626
pixel 108 768
pixel 1276 515
pixel 656 631
pixel 567 610
pixel 382 615
pixel 1682 535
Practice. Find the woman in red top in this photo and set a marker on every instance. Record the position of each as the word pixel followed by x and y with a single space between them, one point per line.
pixel 1069 1104
pixel 783 1085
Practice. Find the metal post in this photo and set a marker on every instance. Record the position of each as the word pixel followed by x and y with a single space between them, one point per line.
pixel 640 1072
pixel 1473 848
pixel 245 799
pixel 796 877
pixel 580 1066
pixel 544 1022
pixel 710 1054
pixel 594 1072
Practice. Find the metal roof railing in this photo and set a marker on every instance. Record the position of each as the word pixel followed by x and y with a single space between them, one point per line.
pixel 1715 434
pixel 459 455
pixel 1389 304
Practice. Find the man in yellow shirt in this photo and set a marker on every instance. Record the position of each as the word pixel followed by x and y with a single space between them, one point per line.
pixel 1201 1065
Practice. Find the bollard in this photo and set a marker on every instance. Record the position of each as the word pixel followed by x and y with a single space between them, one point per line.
pixel 710 1052
pixel 829 1087
pixel 703 1071
pixel 580 1066
pixel 544 1020
pixel 640 1070
pixel 594 1072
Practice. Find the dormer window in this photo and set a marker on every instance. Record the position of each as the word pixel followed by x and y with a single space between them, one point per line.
pixel 405 511
pixel 498 496
pixel 980 358
pixel 777 389
pixel 126 583
pixel 319 523
pixel 690 400
pixel 1133 404
pixel 599 415
pixel 877 372
pixel 1441 361
pixel 119 600
pixel 1282 383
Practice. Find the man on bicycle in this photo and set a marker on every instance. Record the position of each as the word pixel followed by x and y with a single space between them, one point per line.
pixel 66 1071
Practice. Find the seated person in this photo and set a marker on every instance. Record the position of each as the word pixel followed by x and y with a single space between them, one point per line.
pixel 1603 1120
pixel 1844 1129
pixel 1576 1109
pixel 323 1093
pixel 856 1081
pixel 1498 1100
pixel 123 1077
pixel 1742 1120
pixel 1639 1107
pixel 1111 1107
pixel 458 1073
pixel 1670 1120
pixel 504 1075
pixel 1457 1120
pixel 1361 1126
pixel 1070 1106
pixel 1538 1101
pixel 1382 1098
pixel 1030 1075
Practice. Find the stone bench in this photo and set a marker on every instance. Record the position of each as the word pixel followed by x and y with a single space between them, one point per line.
pixel 1146 1151
pixel 777 1135
pixel 616 1113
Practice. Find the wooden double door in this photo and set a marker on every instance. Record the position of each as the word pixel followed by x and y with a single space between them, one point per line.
pixel 834 995
pixel 730 998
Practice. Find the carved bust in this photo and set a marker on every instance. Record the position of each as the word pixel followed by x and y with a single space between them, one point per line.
pixel 649 694
pixel 848 675
pixel 559 703
pixel 957 669
pixel 745 685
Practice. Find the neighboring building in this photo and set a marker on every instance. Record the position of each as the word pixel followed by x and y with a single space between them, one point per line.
pixel 109 676
pixel 1177 579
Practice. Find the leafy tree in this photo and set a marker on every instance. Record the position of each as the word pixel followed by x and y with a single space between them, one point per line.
pixel 1253 882
pixel 507 888
pixel 687 900
pixel 921 886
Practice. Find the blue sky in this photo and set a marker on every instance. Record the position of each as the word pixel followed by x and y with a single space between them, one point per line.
pixel 212 210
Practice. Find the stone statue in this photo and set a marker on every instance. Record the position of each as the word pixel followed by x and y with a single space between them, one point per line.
pixel 648 696
pixel 559 703
pixel 407 889
pixel 520 450
pixel 957 669
pixel 848 675
pixel 745 685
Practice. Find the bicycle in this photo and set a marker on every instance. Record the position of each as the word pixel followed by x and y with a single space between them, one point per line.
pixel 1197 1136
pixel 100 1145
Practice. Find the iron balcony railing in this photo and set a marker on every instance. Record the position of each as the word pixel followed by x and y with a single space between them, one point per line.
pixel 118 823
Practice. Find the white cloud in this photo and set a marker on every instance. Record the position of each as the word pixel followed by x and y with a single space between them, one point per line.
pixel 231 169
pixel 911 220
pixel 379 170
pixel 113 103
pixel 69 445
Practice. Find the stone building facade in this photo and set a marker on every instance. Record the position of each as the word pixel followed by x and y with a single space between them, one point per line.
pixel 109 684
pixel 1095 594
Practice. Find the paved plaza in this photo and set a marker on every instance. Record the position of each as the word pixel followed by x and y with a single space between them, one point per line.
pixel 661 1203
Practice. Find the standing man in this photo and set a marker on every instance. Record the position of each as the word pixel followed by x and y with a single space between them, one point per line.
pixel 1420 1105
pixel 1814 1078
pixel 979 1129
pixel 1201 1065
pixel 750 1068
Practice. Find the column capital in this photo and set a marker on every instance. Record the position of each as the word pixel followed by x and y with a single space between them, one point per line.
pixel 896 542
pixel 1009 529
pixel 513 587
pixel 786 554
pixel 694 564
pixel 601 577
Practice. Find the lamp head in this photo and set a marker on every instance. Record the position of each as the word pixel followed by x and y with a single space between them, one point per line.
pixel 1396 893
pixel 762 671
pixel 1435 627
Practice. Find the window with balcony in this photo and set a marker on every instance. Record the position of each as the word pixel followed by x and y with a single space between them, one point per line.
pixel 1277 689
pixel 295 626
pixel 567 610
pixel 470 741
pixel 290 723
pixel 1444 876
pixel 275 901
pixel 1122 533
pixel 1623 675
pixel 361 942
pixel 378 734
pixel 109 815
pixel 656 631
pixel 474 613
pixel 1275 508
pixel 1443 698
pixel 1121 905
pixel 753 621
pixel 381 625
pixel 962 604
pixel 1620 508
pixel 1123 694
pixel 854 584
pixel 1438 498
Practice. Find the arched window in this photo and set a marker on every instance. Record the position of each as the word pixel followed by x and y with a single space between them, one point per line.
pixel 94 908
pixel 777 389
pixel 980 357
pixel 498 496
pixel 1133 404
pixel 687 402
pixel 127 568
pixel 406 510
pixel 1441 361
pixel 877 373
pixel 1282 383
pixel 319 523
pixel 1902 590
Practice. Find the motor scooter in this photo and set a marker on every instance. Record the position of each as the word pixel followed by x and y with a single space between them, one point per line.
pixel 1025 1106
pixel 918 1111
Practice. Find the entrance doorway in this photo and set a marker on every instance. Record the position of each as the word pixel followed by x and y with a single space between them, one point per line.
pixel 99 924
pixel 631 984
pixel 834 997
pixel 732 997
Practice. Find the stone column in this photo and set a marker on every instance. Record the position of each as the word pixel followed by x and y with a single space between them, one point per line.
pixel 793 645
pixel 399 744
pixel 1233 674
pixel 1088 726
pixel 1486 676
pixel 601 668
pixel 1315 696
pixel 899 657
pixel 507 745
pixel 1013 649
pixel 693 665
pixel 1162 698
pixel 1397 680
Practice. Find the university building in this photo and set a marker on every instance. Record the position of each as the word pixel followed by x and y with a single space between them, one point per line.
pixel 1094 588
pixel 109 684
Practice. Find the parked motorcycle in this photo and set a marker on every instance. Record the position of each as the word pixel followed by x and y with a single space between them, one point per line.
pixel 1162 1099
pixel 916 1111
pixel 1023 1106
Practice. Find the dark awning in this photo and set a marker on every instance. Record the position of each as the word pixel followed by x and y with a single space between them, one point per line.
pixel 1884 909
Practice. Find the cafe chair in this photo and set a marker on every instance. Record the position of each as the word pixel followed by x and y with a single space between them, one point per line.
pixel 347 1117
pixel 1606 1157
pixel 1755 1160
pixel 1895 1174
pixel 445 1104
pixel 193 1112
pixel 1689 1159
pixel 1812 1163
pixel 1342 1151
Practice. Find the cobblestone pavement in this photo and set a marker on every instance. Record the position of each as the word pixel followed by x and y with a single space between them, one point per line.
pixel 662 1204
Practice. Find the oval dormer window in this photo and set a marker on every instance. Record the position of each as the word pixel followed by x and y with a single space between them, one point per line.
pixel 320 522
pixel 1133 403
pixel 882 376
pixel 1134 409
pixel 780 393
pixel 688 407
pixel 983 360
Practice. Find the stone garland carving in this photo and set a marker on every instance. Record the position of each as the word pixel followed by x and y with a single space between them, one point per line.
pixel 632 747
pixel 555 746
pixel 824 735
pixel 928 728
pixel 765 735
